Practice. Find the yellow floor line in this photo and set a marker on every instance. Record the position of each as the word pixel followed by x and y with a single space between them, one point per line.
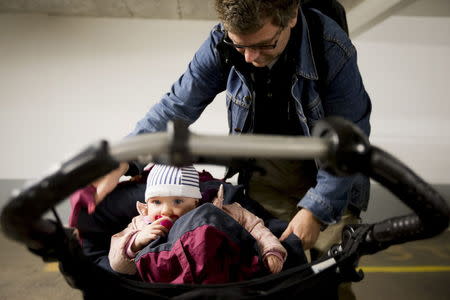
pixel 53 267
pixel 405 269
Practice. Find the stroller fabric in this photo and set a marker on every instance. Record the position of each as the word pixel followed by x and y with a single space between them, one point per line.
pixel 223 233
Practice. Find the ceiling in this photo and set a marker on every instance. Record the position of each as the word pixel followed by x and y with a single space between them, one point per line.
pixel 361 14
pixel 160 9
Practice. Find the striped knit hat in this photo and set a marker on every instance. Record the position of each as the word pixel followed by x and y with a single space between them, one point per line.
pixel 164 180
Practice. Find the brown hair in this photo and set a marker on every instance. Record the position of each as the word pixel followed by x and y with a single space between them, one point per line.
pixel 248 16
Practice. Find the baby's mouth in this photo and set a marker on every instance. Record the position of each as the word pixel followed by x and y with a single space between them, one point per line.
pixel 172 217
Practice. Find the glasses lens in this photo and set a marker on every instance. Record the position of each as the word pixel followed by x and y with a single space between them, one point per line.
pixel 228 41
pixel 265 47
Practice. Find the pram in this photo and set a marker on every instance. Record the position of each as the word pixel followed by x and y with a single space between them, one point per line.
pixel 340 147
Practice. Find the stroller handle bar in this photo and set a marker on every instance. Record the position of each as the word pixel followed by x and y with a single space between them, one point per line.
pixel 339 146
pixel 178 145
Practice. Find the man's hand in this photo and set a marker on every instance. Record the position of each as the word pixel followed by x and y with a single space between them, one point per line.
pixel 304 225
pixel 107 183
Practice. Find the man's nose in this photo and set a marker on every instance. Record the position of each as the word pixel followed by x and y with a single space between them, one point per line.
pixel 250 55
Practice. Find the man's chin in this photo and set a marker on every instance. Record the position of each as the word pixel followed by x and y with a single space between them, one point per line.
pixel 259 65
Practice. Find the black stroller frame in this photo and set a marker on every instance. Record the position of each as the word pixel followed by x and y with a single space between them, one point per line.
pixel 338 146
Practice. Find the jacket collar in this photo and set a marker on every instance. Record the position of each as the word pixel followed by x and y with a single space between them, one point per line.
pixel 306 66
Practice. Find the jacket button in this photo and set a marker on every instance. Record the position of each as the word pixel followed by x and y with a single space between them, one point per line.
pixel 237 129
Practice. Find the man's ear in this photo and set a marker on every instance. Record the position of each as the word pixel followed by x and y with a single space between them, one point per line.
pixel 142 208
pixel 293 20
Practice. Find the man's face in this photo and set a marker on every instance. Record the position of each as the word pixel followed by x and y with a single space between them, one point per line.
pixel 265 45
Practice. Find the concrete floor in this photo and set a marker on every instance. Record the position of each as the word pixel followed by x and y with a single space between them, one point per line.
pixel 423 272
pixel 415 271
pixel 25 276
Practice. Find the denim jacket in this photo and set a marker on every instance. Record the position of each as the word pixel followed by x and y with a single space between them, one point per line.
pixel 344 96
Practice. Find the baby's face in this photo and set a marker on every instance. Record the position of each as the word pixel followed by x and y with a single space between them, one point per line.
pixel 170 206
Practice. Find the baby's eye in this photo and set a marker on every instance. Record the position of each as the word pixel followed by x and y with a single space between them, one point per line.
pixel 178 201
pixel 155 202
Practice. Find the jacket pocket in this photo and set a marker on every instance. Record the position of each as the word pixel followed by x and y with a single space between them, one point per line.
pixel 237 107
pixel 314 111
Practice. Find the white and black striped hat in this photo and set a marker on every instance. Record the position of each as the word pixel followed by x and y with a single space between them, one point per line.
pixel 165 180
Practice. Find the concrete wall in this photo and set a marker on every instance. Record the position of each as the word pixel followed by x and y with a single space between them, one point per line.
pixel 68 81
pixel 405 63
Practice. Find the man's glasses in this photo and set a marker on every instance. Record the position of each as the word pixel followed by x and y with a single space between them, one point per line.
pixel 276 37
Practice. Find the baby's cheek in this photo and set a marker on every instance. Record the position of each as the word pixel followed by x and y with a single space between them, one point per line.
pixel 185 211
pixel 153 217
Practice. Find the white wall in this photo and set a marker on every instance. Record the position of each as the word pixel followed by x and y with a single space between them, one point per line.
pixel 405 62
pixel 65 82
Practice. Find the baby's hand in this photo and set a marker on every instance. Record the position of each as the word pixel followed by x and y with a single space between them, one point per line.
pixel 274 263
pixel 150 233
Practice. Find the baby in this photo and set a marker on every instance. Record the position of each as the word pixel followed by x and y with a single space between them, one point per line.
pixel 170 193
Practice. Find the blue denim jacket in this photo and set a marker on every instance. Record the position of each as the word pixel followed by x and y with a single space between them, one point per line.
pixel 345 96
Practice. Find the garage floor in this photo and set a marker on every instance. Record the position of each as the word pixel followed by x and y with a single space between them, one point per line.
pixel 414 271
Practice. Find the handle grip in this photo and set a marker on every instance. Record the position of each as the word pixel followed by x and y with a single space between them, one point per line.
pixel 431 212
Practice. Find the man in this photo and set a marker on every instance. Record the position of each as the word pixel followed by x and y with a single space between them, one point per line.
pixel 280 76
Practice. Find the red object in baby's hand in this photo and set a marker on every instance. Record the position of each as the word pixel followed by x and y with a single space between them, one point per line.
pixel 167 223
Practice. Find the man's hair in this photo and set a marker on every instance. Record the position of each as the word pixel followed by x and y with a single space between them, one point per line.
pixel 249 16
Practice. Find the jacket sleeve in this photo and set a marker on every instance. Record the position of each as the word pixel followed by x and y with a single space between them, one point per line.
pixel 346 97
pixel 191 93
pixel 118 258
pixel 267 242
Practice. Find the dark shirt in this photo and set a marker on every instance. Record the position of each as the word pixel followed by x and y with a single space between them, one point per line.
pixel 273 110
